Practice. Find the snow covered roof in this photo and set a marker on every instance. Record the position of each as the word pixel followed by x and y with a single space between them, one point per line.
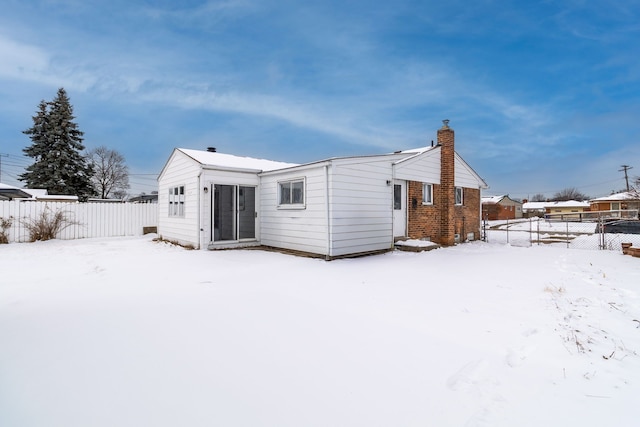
pixel 36 192
pixel 11 192
pixel 625 195
pixel 492 200
pixel 230 161
pixel 534 206
pixel 567 204
pixel 530 206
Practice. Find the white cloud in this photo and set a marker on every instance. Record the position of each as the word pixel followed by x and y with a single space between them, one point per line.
pixel 21 61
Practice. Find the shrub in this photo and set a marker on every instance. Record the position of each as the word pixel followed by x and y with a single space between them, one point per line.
pixel 47 225
pixel 5 225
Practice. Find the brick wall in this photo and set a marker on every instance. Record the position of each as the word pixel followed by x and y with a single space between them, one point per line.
pixel 497 211
pixel 425 220
pixel 467 216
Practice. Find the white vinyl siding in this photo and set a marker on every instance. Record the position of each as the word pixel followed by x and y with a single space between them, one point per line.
pixel 296 229
pixel 465 176
pixel 180 171
pixel 361 208
pixel 422 168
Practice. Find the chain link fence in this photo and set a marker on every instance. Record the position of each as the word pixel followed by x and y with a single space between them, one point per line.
pixel 601 233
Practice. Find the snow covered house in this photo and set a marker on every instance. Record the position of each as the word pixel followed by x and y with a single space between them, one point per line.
pixel 501 208
pixel 624 201
pixel 334 207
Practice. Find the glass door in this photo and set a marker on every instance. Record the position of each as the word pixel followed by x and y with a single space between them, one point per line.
pixel 234 213
pixel 247 212
pixel 224 212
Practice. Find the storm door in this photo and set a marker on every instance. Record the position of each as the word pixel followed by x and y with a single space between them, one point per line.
pixel 399 208
pixel 234 213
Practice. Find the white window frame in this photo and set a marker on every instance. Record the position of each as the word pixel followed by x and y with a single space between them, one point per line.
pixel 459 201
pixel 427 200
pixel 176 201
pixel 289 203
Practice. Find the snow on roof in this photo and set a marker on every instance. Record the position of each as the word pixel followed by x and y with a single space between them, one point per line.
pixel 625 195
pixel 10 192
pixel 534 206
pixel 418 150
pixel 58 198
pixel 234 162
pixel 567 204
pixel 492 199
pixel 36 192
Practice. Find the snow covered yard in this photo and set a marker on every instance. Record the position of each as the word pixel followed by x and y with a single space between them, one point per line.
pixel 130 332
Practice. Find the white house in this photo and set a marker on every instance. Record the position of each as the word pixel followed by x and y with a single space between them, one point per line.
pixel 334 207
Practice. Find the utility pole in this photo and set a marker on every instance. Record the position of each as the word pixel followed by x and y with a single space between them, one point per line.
pixel 624 169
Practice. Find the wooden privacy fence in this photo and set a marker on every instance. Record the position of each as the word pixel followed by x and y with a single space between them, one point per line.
pixel 85 219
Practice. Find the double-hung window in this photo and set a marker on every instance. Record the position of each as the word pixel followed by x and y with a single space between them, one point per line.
pixel 176 201
pixel 291 193
pixel 458 195
pixel 427 194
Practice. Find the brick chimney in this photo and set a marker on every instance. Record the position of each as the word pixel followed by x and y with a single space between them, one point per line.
pixel 447 184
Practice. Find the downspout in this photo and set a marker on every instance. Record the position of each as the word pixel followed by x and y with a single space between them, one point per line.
pixel 328 207
pixel 393 183
pixel 479 213
pixel 199 225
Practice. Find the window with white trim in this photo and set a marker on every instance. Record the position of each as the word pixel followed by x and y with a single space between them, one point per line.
pixel 291 193
pixel 176 201
pixel 427 194
pixel 458 195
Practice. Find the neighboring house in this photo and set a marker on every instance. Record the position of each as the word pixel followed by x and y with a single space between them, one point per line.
pixel 501 207
pixel 28 194
pixel 9 192
pixel 534 209
pixel 626 200
pixel 335 207
pixel 569 209
pixel 145 198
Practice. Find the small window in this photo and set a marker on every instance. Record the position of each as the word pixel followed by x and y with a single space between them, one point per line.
pixel 291 193
pixel 397 197
pixel 458 195
pixel 427 194
pixel 176 201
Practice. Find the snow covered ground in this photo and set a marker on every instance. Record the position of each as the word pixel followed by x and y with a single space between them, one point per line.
pixel 131 332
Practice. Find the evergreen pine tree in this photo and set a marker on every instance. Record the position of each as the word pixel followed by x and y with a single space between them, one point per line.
pixel 56 148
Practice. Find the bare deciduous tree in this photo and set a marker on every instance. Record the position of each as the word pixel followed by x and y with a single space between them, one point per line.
pixel 570 193
pixel 635 188
pixel 538 198
pixel 111 174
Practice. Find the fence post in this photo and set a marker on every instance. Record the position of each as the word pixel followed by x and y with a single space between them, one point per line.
pixel 507 227
pixel 603 244
pixel 484 226
pixel 567 235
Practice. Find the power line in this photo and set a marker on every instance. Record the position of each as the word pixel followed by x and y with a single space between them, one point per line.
pixel 1 156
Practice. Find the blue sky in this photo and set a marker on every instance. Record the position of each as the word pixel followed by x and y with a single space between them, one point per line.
pixel 542 95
